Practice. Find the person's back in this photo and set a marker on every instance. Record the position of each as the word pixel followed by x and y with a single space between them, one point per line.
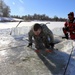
pixel 48 32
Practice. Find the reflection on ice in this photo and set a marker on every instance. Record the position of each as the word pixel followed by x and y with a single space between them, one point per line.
pixel 3 53
pixel 4 42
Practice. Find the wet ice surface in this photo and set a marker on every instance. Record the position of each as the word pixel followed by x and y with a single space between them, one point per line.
pixel 17 59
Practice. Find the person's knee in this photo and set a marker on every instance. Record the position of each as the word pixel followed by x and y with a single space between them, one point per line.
pixel 65 28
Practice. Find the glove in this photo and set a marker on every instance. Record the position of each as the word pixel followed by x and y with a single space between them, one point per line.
pixel 30 44
pixel 52 45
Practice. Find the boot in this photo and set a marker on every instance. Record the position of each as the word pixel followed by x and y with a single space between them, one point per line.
pixel 66 35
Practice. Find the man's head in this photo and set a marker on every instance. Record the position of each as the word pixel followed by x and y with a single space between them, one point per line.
pixel 71 16
pixel 37 29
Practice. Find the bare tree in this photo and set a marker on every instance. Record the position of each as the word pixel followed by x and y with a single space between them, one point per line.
pixel 1 7
pixel 4 9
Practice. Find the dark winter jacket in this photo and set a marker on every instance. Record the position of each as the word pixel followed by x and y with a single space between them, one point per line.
pixel 45 32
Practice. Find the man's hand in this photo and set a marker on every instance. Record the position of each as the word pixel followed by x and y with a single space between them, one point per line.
pixel 52 45
pixel 29 45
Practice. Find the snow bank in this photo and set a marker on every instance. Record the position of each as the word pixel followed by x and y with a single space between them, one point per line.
pixel 9 19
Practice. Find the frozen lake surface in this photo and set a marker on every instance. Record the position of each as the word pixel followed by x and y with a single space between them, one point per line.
pixel 17 59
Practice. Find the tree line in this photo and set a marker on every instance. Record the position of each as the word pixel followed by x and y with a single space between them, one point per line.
pixel 38 17
pixel 5 12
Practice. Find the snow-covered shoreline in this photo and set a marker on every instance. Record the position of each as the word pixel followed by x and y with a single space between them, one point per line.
pixel 14 24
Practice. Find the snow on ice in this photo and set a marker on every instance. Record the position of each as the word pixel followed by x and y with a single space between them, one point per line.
pixel 13 49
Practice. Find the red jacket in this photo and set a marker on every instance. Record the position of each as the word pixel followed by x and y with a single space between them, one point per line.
pixel 71 28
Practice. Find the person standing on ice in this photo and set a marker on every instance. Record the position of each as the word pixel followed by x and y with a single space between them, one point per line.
pixel 69 26
pixel 42 35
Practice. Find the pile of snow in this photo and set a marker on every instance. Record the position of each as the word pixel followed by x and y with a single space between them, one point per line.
pixel 9 19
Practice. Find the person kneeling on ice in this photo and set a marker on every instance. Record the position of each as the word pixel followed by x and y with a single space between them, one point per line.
pixel 43 37
pixel 69 27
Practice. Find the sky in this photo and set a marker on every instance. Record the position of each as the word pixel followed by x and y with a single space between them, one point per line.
pixel 51 8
